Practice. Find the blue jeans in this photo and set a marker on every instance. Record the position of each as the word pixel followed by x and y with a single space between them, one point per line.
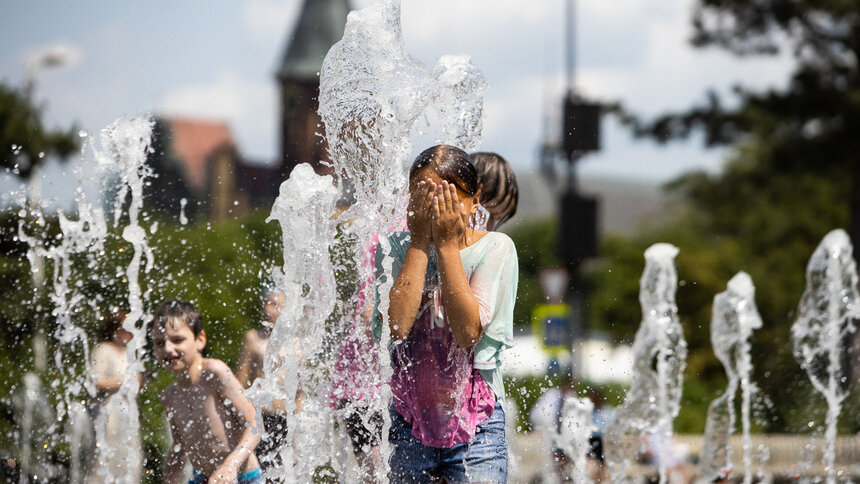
pixel 483 460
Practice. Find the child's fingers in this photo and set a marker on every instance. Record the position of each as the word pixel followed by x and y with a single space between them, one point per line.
pixel 429 193
pixel 436 208
pixel 440 194
pixel 443 196
pixel 453 199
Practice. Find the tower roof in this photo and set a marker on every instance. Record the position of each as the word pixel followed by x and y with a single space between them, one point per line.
pixel 319 26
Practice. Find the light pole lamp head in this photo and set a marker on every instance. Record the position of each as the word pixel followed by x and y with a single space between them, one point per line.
pixel 53 56
pixel 580 127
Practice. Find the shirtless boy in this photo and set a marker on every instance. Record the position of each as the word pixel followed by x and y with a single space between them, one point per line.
pixel 212 423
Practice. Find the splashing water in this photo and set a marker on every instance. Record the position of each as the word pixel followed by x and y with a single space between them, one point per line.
pixel 304 210
pixel 120 157
pixel 826 312
pixel 372 92
pixel 77 432
pixel 735 317
pixel 512 415
pixel 125 145
pixel 659 353
pixel 37 424
pixel 576 427
pixel 82 237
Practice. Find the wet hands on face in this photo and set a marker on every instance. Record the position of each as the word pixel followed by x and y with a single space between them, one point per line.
pixel 436 215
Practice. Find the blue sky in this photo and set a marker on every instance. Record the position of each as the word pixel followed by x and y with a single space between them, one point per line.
pixel 216 60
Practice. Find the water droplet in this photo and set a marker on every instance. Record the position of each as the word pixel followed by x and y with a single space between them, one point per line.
pixel 83 133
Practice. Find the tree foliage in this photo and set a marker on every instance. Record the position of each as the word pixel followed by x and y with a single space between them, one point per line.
pixel 792 176
pixel 24 140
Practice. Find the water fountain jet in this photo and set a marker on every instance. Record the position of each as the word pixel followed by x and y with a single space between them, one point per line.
pixel 826 313
pixel 659 354
pixel 735 317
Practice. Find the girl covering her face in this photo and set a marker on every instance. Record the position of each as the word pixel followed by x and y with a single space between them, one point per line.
pixel 451 317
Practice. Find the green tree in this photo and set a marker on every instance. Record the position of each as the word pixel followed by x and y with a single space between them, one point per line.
pixel 24 140
pixel 535 242
pixel 792 176
pixel 806 127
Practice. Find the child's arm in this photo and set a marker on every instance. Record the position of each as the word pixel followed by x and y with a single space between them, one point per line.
pixel 232 396
pixel 405 294
pixel 461 305
pixel 243 369
pixel 174 467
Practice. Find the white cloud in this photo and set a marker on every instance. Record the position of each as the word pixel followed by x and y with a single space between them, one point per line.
pixel 269 20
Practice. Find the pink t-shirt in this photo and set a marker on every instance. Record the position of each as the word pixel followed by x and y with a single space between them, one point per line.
pixel 444 391
pixel 357 373
pixel 436 387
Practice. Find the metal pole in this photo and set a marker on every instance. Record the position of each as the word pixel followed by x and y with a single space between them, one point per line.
pixel 570 53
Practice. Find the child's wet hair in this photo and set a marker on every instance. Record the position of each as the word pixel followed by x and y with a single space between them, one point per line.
pixel 112 324
pixel 181 310
pixel 500 193
pixel 451 164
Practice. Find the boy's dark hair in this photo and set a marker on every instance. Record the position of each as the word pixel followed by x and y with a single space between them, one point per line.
pixel 178 309
pixel 112 324
pixel 500 193
pixel 451 164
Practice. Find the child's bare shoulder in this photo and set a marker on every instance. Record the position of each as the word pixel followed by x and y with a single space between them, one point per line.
pixel 252 336
pixel 217 370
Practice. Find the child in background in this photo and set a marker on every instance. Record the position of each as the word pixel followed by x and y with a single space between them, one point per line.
pixel 116 455
pixel 499 190
pixel 212 424
pixel 451 317
pixel 250 367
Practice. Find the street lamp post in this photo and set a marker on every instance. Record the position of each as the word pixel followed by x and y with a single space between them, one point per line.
pixel 577 223
pixel 55 56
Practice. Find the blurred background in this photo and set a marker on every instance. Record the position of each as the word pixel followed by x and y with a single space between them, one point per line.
pixel 726 128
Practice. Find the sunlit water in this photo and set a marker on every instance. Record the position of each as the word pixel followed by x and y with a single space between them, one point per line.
pixel 826 315
pixel 114 164
pixel 735 317
pixel 575 429
pixel 659 357
pixel 373 94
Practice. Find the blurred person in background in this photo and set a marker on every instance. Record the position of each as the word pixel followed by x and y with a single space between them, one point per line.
pixel 499 190
pixel 108 411
pixel 250 368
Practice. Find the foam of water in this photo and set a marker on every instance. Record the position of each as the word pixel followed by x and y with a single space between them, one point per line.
pixel 304 211
pixel 827 308
pixel 121 157
pixel 372 92
pixel 576 427
pixel 659 355
pixel 36 426
pixel 735 317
